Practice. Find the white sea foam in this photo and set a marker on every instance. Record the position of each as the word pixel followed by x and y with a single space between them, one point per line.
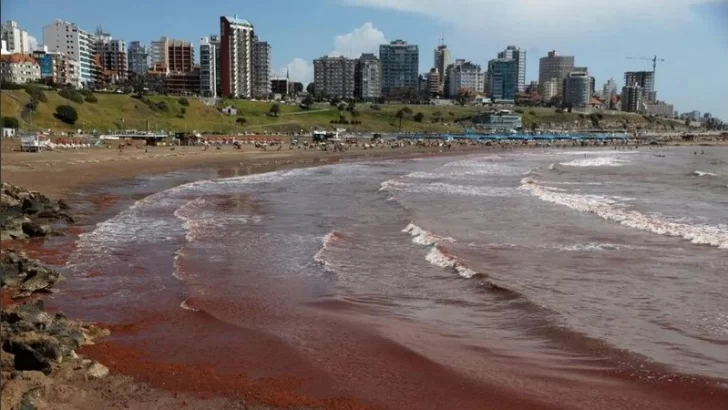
pixel 326 243
pixel 595 162
pixel 609 209
pixel 423 237
pixel 704 174
pixel 448 189
pixel 186 306
pixel 437 258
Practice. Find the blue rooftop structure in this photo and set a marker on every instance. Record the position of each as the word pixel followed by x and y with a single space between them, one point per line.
pixel 236 20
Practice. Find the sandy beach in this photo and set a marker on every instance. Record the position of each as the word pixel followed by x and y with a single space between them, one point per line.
pixel 140 381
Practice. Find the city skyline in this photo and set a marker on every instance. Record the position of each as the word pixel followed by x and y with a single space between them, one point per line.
pixel 361 26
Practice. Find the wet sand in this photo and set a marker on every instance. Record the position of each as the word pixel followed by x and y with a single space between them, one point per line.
pixel 168 351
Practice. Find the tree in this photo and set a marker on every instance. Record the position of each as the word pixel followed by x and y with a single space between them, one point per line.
pixel 463 95
pixel 352 105
pixel 9 122
pixel 183 101
pixel 36 93
pixel 91 98
pixel 355 113
pixel 67 114
pixel 71 94
pixel 311 89
pixel 402 113
pixel 308 101
pixel 241 120
pixel 342 107
pixel 275 109
pixel 419 117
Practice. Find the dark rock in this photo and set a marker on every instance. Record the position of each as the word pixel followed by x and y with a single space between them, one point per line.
pixel 27 358
pixel 63 205
pixel 38 279
pixel 25 404
pixel 51 214
pixel 35 230
pixel 29 316
pixel 66 217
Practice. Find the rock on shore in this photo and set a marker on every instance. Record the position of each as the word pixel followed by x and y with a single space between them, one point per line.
pixel 38 348
pixel 27 214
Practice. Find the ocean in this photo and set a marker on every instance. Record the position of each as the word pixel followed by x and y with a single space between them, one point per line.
pixel 565 277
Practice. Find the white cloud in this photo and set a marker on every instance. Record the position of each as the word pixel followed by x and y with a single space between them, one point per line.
pixel 33 42
pixel 548 19
pixel 299 70
pixel 364 39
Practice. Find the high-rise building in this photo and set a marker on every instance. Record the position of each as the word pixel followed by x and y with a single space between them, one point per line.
pixel 262 67
pixel 503 79
pixel 434 79
pixel 77 44
pixel 465 75
pixel 400 66
pixel 237 49
pixel 368 78
pixel 645 79
pixel 208 65
pixel 138 58
pixel 16 39
pixel 112 57
pixel 443 59
pixel 515 53
pixel 181 56
pixel 555 66
pixel 577 89
pixel 159 54
pixel 632 98
pixel 334 77
pixel 609 89
pixel 549 89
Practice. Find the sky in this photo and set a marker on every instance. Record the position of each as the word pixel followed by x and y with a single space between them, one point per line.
pixel 609 37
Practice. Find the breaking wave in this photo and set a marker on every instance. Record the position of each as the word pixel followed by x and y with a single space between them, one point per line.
pixel 704 174
pixel 442 259
pixel 595 162
pixel 423 237
pixel 610 209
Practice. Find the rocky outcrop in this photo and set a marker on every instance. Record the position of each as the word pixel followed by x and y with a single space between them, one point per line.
pixel 37 347
pixel 28 214
pixel 22 276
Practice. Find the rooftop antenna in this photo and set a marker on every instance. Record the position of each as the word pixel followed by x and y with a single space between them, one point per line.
pixel 441 40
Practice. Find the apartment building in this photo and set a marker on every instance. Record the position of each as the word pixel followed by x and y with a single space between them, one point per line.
pixel 515 53
pixel 137 58
pixel 577 89
pixel 442 60
pixel 465 75
pixel 503 79
pixel 56 68
pixel 632 98
pixel 112 57
pixel 646 80
pixel 19 68
pixel 262 68
pixel 77 44
pixel 400 66
pixel 237 49
pixel 209 66
pixel 555 66
pixel 334 77
pixel 16 39
pixel 368 78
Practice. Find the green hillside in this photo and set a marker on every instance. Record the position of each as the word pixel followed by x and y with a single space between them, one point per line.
pixel 122 111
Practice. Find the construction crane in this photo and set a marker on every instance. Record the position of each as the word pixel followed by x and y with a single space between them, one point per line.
pixel 654 60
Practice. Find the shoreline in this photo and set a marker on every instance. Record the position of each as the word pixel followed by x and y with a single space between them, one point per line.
pixel 167 392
